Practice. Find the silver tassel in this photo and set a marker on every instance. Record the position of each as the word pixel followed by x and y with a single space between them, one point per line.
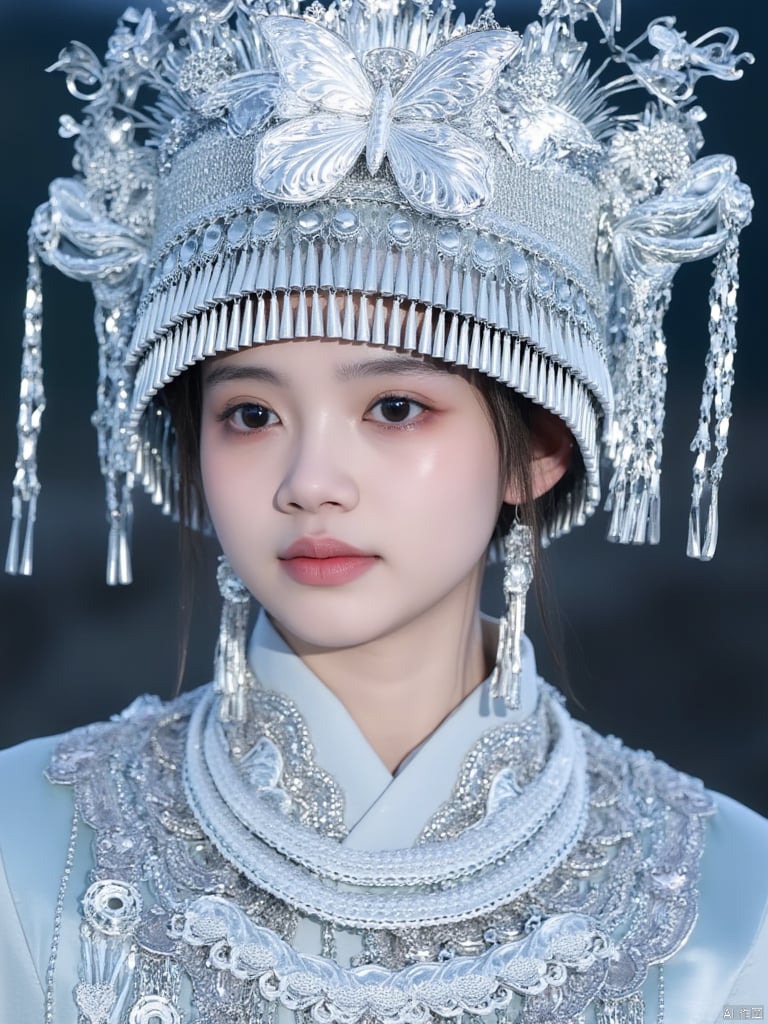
pixel 311 268
pixel 273 322
pixel 326 269
pixel 280 282
pixel 410 342
pixel 715 401
pixel 296 276
pixel 415 276
pixel 394 325
pixel 634 488
pixel 317 328
pixel 452 340
pixel 425 337
pixel 120 511
pixel 286 318
pixel 348 327
pixel 230 664
pixel 518 575
pixel 388 274
pixel 363 332
pixel 440 291
pixel 401 281
pixel 245 337
pixel 356 282
pixel 26 485
pixel 630 1010
pixel 342 267
pixel 302 317
pixel 260 327
pixel 372 272
pixel 378 336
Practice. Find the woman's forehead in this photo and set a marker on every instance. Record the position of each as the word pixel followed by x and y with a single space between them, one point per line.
pixel 283 360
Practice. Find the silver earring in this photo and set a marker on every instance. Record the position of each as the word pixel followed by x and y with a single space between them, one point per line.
pixel 230 666
pixel 518 574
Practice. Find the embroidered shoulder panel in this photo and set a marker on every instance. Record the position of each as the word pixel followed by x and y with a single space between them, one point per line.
pixel 635 868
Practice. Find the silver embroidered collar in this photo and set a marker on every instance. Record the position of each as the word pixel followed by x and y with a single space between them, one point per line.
pixel 604 844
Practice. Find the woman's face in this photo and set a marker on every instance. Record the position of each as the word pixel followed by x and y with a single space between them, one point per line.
pixel 353 488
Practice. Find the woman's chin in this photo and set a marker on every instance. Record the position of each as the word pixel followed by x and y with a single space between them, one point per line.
pixel 311 634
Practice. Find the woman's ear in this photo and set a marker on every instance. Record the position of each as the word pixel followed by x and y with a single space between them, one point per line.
pixel 551 455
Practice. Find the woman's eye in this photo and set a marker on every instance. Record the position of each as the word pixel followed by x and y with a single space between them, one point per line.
pixel 397 409
pixel 247 417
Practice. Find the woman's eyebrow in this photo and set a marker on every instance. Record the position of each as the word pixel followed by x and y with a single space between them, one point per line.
pixel 221 373
pixel 224 373
pixel 386 365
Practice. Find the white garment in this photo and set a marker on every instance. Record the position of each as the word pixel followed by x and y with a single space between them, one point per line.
pixel 724 963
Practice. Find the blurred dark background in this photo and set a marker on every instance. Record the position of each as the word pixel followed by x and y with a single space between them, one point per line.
pixel 665 652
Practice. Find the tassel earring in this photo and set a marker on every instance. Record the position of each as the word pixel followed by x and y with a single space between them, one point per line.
pixel 230 666
pixel 518 574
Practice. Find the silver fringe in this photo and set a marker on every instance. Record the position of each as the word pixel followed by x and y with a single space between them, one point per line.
pixel 230 663
pixel 518 576
pixel 715 401
pixel 26 486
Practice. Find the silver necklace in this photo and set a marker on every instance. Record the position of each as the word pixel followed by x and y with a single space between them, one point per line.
pixel 521 838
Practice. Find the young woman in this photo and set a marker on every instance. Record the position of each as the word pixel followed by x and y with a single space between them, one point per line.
pixel 375 292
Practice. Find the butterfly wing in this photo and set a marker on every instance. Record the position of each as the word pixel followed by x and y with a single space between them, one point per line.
pixel 453 78
pixel 318 66
pixel 438 169
pixel 303 159
pixel 249 97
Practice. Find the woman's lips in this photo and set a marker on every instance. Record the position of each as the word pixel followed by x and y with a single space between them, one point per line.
pixel 325 561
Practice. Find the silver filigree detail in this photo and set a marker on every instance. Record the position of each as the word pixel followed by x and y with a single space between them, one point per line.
pixel 520 750
pixel 203 70
pixel 649 244
pixel 273 752
pixel 528 967
pixel 154 1010
pixel 112 907
pixel 518 839
pixel 671 74
pixel 633 873
pixel 438 168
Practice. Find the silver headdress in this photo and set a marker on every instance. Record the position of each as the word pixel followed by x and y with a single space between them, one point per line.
pixel 378 171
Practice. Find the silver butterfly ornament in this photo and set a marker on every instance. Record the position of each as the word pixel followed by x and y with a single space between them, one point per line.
pixel 438 169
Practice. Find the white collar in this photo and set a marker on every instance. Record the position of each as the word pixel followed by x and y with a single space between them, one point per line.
pixel 383 811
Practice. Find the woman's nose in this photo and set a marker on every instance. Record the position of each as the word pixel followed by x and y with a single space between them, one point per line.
pixel 318 475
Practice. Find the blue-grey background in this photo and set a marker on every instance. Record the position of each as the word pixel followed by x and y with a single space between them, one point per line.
pixel 667 653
